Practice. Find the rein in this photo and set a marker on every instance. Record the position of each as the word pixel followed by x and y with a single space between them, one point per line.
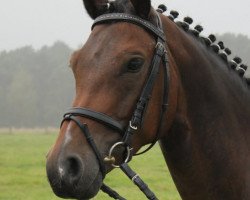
pixel 136 121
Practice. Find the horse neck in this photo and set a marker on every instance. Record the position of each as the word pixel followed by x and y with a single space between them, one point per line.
pixel 210 131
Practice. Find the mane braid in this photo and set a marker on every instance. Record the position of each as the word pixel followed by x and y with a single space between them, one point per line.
pixel 219 48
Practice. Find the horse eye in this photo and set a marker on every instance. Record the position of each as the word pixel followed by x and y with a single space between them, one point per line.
pixel 135 65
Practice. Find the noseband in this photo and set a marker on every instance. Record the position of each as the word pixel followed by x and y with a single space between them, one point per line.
pixel 136 121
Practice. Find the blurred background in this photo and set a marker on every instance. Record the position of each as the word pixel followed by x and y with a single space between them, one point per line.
pixel 37 86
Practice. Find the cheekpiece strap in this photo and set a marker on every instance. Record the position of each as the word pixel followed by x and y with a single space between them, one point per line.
pixel 131 19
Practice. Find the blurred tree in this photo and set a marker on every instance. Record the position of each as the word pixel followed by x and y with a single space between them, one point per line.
pixel 35 86
pixel 22 100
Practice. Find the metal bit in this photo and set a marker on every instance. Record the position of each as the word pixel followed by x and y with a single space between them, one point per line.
pixel 109 160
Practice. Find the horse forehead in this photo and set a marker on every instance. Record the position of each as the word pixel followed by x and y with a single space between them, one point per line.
pixel 109 43
pixel 120 35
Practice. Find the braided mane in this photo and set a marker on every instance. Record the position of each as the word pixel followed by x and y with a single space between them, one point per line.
pixel 218 48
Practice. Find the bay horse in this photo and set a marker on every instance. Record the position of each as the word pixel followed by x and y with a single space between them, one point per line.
pixel 194 104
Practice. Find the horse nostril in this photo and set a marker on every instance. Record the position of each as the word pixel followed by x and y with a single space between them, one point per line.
pixel 73 168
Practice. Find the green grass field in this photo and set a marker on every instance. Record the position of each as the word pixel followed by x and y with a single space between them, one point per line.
pixel 23 176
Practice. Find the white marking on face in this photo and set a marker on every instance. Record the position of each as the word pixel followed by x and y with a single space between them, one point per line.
pixel 68 136
pixel 61 171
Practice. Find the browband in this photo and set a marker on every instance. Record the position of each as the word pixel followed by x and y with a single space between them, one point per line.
pixel 132 19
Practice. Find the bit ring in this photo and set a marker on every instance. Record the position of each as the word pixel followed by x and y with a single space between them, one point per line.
pixel 128 151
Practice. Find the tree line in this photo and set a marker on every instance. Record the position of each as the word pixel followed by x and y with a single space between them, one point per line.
pixel 37 86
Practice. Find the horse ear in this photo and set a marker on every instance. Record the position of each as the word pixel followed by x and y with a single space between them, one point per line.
pixel 142 7
pixel 95 7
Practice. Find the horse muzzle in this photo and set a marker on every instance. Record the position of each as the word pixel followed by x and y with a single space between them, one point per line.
pixel 71 177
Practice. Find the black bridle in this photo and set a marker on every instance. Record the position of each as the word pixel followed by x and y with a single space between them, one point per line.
pixel 136 121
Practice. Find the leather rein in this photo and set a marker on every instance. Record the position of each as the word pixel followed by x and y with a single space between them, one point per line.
pixel 135 124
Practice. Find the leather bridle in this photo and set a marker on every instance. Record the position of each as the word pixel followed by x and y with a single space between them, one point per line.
pixel 160 56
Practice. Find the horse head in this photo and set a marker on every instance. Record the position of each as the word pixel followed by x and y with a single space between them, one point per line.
pixel 111 71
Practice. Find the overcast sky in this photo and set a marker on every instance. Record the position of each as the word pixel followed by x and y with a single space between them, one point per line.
pixel 42 22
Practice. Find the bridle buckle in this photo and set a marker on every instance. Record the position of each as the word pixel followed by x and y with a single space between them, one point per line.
pixel 133 127
pixel 160 49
